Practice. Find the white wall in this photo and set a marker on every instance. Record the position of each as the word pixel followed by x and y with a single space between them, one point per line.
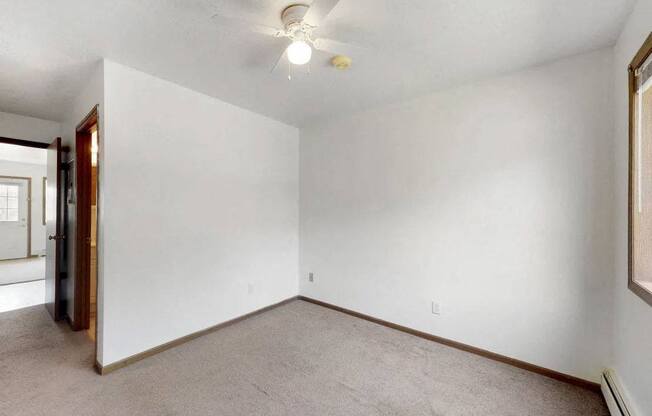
pixel 633 317
pixel 28 128
pixel 493 199
pixel 36 172
pixel 23 154
pixel 199 201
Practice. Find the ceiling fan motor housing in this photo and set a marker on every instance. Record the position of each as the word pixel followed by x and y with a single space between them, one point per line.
pixel 292 16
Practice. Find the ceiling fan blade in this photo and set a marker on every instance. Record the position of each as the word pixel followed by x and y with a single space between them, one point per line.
pixel 281 58
pixel 337 47
pixel 240 25
pixel 318 11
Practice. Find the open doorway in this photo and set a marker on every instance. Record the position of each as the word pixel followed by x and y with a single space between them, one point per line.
pixel 22 226
pixel 82 208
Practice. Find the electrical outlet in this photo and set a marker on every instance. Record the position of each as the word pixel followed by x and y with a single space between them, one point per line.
pixel 434 308
pixel 311 277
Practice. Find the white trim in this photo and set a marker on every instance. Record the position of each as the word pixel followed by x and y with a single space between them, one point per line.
pixel 639 145
pixel 613 394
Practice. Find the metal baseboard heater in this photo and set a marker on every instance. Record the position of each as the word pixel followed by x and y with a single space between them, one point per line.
pixel 614 395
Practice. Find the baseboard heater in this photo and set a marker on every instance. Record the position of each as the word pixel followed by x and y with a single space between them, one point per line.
pixel 614 395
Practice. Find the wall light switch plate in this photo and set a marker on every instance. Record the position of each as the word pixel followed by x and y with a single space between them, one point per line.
pixel 435 308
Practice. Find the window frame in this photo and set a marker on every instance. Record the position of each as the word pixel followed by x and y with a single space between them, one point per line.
pixel 43 196
pixel 6 197
pixel 639 59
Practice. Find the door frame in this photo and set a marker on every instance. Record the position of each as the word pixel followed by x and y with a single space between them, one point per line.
pixel 29 213
pixel 56 307
pixel 26 143
pixel 82 253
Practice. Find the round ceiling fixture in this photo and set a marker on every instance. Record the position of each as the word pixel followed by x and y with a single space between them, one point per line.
pixel 341 62
pixel 299 52
pixel 299 23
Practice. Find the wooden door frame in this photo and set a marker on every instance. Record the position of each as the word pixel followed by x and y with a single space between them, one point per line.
pixel 83 177
pixel 31 143
pixel 29 213
pixel 26 143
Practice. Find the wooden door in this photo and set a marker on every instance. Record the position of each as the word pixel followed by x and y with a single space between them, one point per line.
pixel 54 231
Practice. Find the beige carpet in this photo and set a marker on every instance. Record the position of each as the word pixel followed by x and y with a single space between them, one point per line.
pixel 299 359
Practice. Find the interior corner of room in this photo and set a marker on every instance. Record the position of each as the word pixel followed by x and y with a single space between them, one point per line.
pixel 446 211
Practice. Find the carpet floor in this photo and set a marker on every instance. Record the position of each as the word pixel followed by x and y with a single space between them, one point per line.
pixel 297 359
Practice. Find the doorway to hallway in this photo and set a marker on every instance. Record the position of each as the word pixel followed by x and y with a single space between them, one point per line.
pixel 22 224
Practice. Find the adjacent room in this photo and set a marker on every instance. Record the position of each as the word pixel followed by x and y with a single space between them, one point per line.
pixel 326 207
pixel 22 226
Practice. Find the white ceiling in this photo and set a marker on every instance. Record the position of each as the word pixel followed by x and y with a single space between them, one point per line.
pixel 411 47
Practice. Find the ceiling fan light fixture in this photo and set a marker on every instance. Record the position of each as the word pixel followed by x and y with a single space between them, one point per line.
pixel 299 52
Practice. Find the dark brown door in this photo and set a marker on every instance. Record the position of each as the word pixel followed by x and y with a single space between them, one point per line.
pixel 54 228
pixel 81 302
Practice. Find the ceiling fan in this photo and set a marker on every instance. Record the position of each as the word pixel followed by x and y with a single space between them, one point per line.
pixel 299 23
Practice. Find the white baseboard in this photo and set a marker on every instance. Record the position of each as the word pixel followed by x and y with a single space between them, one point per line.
pixel 614 394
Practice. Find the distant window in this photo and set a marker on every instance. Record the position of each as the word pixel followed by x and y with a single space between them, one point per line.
pixel 8 202
pixel 640 172
pixel 94 146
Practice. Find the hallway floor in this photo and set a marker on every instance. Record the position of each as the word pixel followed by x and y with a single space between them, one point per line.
pixel 297 359
pixel 21 295
pixel 22 270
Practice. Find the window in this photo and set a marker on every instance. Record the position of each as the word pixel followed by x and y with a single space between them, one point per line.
pixel 94 146
pixel 8 202
pixel 640 172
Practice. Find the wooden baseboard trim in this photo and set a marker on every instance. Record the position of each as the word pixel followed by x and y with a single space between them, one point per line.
pixel 19 258
pixel 22 281
pixel 589 385
pixel 103 370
